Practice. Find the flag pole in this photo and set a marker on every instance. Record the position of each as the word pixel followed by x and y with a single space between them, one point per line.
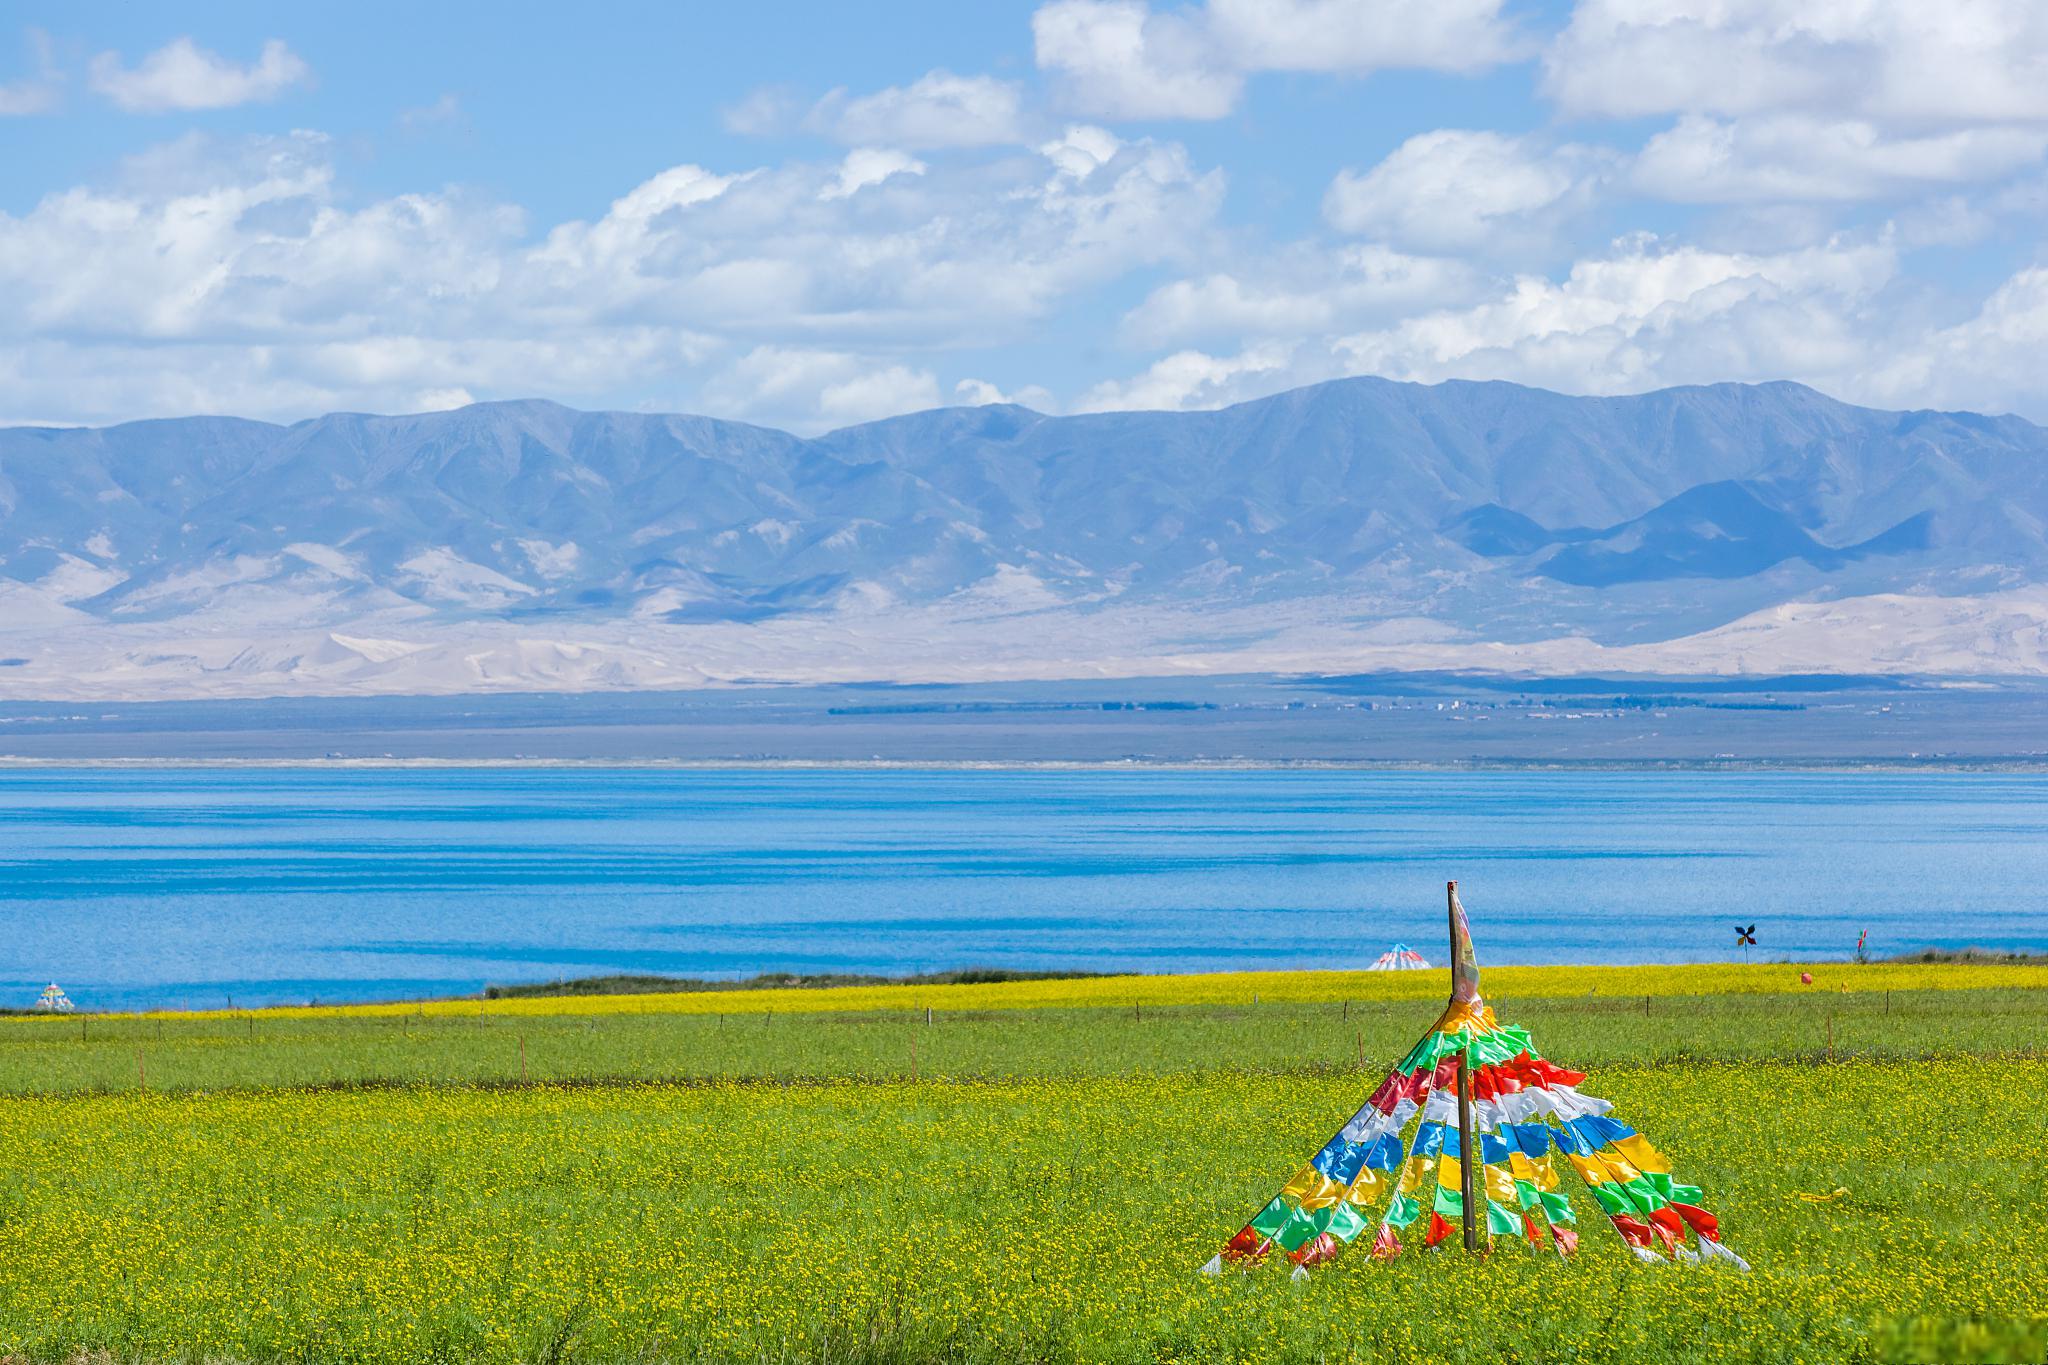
pixel 1466 1195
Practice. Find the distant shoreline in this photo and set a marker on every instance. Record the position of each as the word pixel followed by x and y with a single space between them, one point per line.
pixel 2019 765
pixel 986 989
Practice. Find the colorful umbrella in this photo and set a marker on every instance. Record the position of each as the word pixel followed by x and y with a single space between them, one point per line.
pixel 1399 958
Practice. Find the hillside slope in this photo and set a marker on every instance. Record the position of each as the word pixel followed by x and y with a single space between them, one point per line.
pixel 526 544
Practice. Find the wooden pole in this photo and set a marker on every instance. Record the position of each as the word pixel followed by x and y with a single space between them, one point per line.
pixel 1467 1197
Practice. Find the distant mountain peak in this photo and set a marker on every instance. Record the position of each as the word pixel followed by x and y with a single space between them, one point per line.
pixel 1468 510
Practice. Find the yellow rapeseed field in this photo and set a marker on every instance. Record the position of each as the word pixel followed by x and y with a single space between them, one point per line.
pixel 1029 1219
pixel 1229 988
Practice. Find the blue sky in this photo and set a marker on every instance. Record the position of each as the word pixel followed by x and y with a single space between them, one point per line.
pixel 809 215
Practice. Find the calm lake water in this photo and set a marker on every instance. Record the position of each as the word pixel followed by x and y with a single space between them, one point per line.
pixel 193 887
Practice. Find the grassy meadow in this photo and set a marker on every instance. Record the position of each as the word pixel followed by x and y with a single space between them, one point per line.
pixel 1033 1174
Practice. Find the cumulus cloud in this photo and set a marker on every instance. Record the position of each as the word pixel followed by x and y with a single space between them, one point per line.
pixel 183 75
pixel 1647 314
pixel 975 393
pixel 866 166
pixel 1897 60
pixel 1194 379
pixel 37 94
pixel 1299 293
pixel 1117 59
pixel 1981 363
pixel 820 388
pixel 766 111
pixel 1783 101
pixel 443 115
pixel 1797 157
pixel 952 220
pixel 1644 314
pixel 938 110
pixel 27 97
pixel 1364 35
pixel 1460 190
pixel 1122 59
pixel 235 275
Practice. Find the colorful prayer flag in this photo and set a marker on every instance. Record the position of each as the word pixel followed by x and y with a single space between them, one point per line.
pixel 1519 1107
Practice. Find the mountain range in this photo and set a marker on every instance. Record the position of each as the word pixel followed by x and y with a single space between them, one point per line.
pixel 1358 523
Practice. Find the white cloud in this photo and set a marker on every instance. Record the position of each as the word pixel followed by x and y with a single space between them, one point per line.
pixel 239 275
pixel 1812 101
pixel 27 97
pixel 1647 314
pixel 1363 35
pixel 1081 151
pixel 938 110
pixel 443 114
pixel 1898 60
pixel 1122 59
pixel 183 75
pixel 1984 363
pixel 1118 59
pixel 764 112
pixel 975 393
pixel 1949 220
pixel 816 389
pixel 235 276
pixel 443 400
pixel 1193 379
pixel 1299 293
pixel 1795 157
pixel 1453 190
pixel 866 166
pixel 37 94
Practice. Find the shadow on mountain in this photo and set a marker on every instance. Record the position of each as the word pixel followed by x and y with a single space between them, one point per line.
pixel 1716 530
pixel 745 608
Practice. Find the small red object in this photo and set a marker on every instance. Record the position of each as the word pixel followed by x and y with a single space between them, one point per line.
pixel 1806 978
pixel 1248 1245
pixel 1316 1252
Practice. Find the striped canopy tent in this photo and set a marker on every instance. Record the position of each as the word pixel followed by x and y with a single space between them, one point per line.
pixel 1493 1112
pixel 53 998
pixel 1399 958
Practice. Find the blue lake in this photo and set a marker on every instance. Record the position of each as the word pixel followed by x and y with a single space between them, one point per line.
pixel 196 886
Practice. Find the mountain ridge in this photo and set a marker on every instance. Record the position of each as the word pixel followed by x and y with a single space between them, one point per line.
pixel 1359 505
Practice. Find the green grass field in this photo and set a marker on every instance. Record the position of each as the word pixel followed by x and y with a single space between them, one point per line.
pixel 998 1184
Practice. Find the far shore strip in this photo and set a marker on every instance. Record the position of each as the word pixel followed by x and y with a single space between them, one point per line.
pixel 1620 982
